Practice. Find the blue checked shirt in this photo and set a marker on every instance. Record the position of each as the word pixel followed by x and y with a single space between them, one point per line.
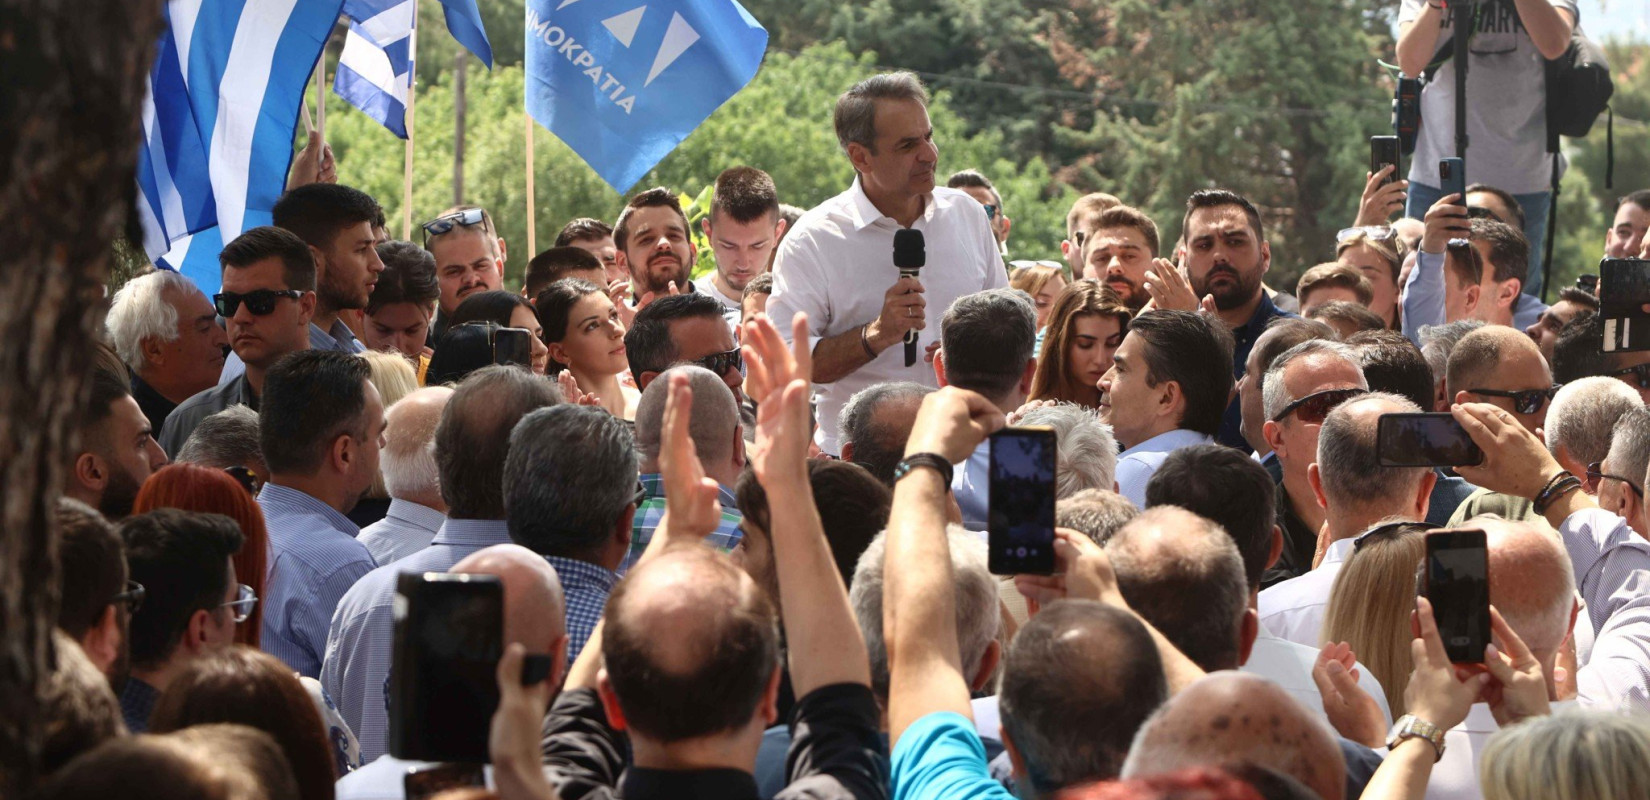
pixel 356 673
pixel 314 560
pixel 586 587
pixel 652 510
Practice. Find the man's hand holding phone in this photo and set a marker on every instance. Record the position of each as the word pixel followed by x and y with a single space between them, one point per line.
pixel 1439 692
pixel 1081 571
pixel 1446 220
pixel 1519 689
pixel 1381 198
pixel 1515 461
pixel 513 743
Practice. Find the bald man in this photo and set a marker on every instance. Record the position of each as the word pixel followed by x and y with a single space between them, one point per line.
pixel 533 611
pixel 1491 365
pixel 1232 717
pixel 1185 576
pixel 411 477
pixel 718 440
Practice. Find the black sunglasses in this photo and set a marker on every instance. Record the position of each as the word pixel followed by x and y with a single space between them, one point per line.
pixel 1641 372
pixel 246 478
pixel 1527 401
pixel 1312 408
pixel 258 301
pixel 722 363
pixel 132 597
pixel 467 218
pixel 990 211
pixel 1387 531
pixel 1596 475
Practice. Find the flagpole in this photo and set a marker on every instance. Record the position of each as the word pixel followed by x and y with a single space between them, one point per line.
pixel 321 95
pixel 532 234
pixel 412 98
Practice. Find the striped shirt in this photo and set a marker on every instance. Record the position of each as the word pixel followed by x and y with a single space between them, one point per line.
pixel 359 643
pixel 652 510
pixel 586 587
pixel 314 560
pixel 1612 569
pixel 406 528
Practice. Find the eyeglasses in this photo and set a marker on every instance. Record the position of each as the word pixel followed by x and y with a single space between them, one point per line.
pixel 1526 401
pixel 641 493
pixel 469 217
pixel 1596 475
pixel 990 211
pixel 722 363
pixel 242 604
pixel 132 597
pixel 1641 372
pixel 258 301
pixel 1312 408
pixel 1380 233
pixel 1387 531
pixel 246 478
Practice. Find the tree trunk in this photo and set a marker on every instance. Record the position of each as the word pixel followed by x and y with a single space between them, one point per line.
pixel 458 127
pixel 69 137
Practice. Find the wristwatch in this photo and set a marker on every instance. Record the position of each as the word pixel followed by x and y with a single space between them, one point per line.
pixel 1410 726
pixel 931 460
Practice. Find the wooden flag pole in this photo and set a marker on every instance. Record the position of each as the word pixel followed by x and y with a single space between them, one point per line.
pixel 412 97
pixel 321 95
pixel 532 235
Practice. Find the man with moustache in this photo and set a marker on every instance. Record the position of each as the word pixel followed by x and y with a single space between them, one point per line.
pixel 655 246
pixel 1122 247
pixel 469 258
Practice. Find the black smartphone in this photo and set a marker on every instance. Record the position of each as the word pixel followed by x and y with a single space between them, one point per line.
pixel 1458 585
pixel 1452 179
pixel 1623 291
pixel 1021 515
pixel 422 783
pixel 513 346
pixel 449 635
pixel 1383 150
pixel 1424 440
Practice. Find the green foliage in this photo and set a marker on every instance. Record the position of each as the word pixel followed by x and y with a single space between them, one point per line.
pixel 1586 206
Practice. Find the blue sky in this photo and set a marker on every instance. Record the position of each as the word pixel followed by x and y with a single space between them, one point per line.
pixel 1605 19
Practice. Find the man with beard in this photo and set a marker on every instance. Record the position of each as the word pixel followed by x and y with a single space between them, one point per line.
pixel 117 451
pixel 1225 258
pixel 469 258
pixel 1118 252
pixel 336 222
pixel 654 245
pixel 743 228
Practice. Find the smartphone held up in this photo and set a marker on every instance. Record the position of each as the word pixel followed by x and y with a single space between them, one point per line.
pixel 1021 516
pixel 1457 577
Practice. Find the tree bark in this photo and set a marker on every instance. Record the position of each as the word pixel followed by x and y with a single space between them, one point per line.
pixel 69 137
pixel 458 126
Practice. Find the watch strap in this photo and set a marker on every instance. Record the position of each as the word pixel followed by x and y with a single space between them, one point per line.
pixel 1410 726
pixel 931 460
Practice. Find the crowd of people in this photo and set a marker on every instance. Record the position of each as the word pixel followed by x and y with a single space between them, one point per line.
pixel 743 513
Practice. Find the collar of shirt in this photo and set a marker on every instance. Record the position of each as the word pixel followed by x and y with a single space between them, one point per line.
pixel 653 488
pixel 472 533
pixel 1339 550
pixel 276 497
pixel 865 213
pixel 575 572
pixel 340 338
pixel 416 515
pixel 721 784
pixel 1265 310
pixel 1169 442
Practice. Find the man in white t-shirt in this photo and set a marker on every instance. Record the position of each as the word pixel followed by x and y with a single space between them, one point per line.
pixel 743 228
pixel 837 265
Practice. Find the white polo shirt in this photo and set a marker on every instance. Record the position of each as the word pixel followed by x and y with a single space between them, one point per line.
pixel 838 262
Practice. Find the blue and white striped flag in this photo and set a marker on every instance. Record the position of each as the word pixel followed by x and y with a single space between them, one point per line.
pixel 375 71
pixel 218 122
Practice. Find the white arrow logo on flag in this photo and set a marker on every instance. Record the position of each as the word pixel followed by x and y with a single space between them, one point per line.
pixel 678 37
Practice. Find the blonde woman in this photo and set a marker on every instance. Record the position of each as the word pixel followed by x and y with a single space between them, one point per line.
pixel 1085 329
pixel 1571 755
pixel 1043 280
pixel 1370 604
pixel 1378 253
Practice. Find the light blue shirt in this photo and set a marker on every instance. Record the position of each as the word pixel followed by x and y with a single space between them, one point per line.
pixel 314 560
pixel 971 485
pixel 1137 464
pixel 384 779
pixel 406 528
pixel 360 640
pixel 940 757
pixel 586 586
pixel 1424 298
pixel 340 339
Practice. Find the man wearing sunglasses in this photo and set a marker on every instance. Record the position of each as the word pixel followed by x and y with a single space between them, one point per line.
pixel 1502 367
pixel 979 187
pixel 267 301
pixel 1618 480
pixel 684 329
pixel 469 258
pixel 191 602
pixel 1301 387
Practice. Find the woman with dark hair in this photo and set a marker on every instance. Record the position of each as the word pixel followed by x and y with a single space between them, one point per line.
pixel 586 338
pixel 191 487
pixel 1084 331
pixel 247 687
pixel 463 349
pixel 505 310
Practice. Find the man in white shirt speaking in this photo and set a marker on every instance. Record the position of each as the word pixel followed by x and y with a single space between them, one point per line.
pixel 837 264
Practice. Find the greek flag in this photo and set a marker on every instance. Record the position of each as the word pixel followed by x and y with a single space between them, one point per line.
pixel 375 71
pixel 623 82
pixel 218 123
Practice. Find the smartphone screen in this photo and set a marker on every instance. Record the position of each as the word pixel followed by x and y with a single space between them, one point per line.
pixel 449 636
pixel 513 346
pixel 1021 516
pixel 1458 584
pixel 1623 290
pixel 1452 178
pixel 1424 440
pixel 1383 150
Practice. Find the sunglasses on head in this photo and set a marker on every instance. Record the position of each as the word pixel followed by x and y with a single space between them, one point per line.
pixel 444 224
pixel 132 597
pixel 1380 233
pixel 1597 475
pixel 1526 401
pixel 1640 372
pixel 1312 408
pixel 1387 531
pixel 1025 264
pixel 258 301
pixel 722 363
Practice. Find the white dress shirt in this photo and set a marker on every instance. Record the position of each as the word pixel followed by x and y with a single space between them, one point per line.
pixel 1289 665
pixel 837 263
pixel 385 778
pixel 971 485
pixel 1455 776
pixel 1612 569
pixel 405 529
pixel 1136 465
pixel 1294 609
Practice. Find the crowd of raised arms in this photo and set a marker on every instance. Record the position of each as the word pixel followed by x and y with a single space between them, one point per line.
pixel 743 519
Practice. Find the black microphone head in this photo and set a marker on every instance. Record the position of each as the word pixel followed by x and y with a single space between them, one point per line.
pixel 908 249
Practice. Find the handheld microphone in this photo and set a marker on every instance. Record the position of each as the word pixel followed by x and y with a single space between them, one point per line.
pixel 909 258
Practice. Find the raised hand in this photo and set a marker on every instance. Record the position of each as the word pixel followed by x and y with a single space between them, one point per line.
pixel 1380 200
pixel 571 392
pixel 513 741
pixel 1445 221
pixel 777 379
pixel 691 508
pixel 1169 289
pixel 1354 714
pixel 1520 689
pixel 1515 461
pixel 1438 691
